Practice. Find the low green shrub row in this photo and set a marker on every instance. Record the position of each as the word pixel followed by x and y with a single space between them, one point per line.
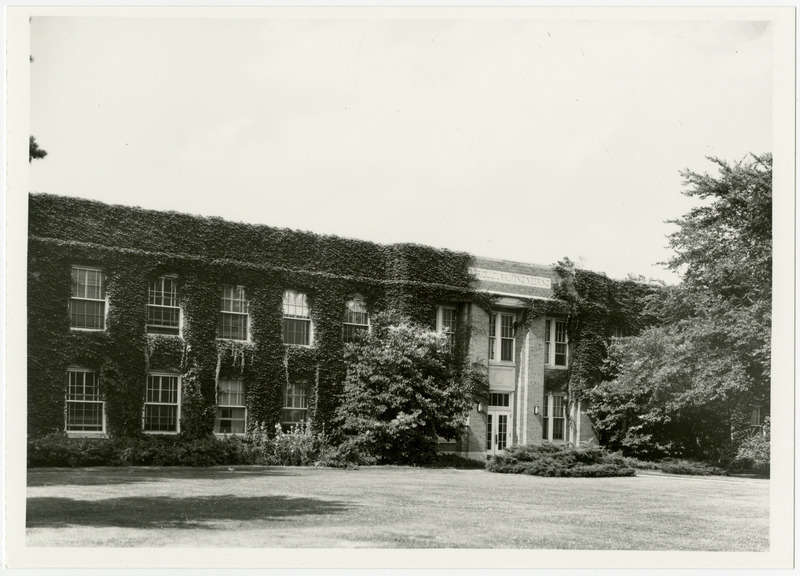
pixel 298 447
pixel 554 460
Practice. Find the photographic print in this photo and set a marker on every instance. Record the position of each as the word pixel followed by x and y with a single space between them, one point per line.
pixel 492 285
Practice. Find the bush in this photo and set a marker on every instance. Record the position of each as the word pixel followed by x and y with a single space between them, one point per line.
pixel 351 453
pixel 300 446
pixel 450 460
pixel 690 467
pixel 60 450
pixel 754 451
pixel 553 460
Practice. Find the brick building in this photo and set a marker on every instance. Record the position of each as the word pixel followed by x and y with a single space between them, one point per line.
pixel 156 322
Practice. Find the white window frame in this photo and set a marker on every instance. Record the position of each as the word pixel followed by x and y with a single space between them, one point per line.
pixel 102 431
pixel 285 316
pixel 161 278
pixel 177 403
pixel 246 314
pixel 550 338
pixel 345 323
pixel 548 418
pixel 304 384
pixel 238 406
pixel 104 299
pixel 440 327
pixel 496 338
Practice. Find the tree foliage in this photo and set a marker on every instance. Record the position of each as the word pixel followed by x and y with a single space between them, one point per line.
pixel 402 391
pixel 34 152
pixel 687 386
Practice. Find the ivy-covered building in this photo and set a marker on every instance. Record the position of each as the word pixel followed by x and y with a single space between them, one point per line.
pixel 152 322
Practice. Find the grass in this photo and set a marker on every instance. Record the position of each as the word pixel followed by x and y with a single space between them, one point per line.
pixel 396 507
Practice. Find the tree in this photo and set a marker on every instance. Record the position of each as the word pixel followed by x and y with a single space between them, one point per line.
pixel 688 385
pixel 34 151
pixel 403 389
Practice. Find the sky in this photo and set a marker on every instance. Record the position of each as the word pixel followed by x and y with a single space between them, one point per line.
pixel 523 139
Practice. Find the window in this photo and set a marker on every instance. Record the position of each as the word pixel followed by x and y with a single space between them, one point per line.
pixel 87 307
pixel 446 323
pixel 161 406
pixel 555 343
pixel 296 319
pixel 163 310
pixel 356 318
pixel 499 399
pixel 233 314
pixel 231 412
pixel 554 414
pixel 501 348
pixel 84 405
pixel 757 419
pixel 295 403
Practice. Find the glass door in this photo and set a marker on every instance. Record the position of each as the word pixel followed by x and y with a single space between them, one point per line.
pixel 498 431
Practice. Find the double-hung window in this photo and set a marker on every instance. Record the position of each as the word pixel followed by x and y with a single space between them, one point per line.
pixel 233 314
pixel 555 343
pixel 162 403
pixel 295 402
pixel 84 403
pixel 231 411
pixel 356 318
pixel 296 319
pixel 501 337
pixel 87 306
pixel 163 310
pixel 554 417
pixel 446 323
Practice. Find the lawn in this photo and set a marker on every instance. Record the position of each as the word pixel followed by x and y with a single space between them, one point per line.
pixel 391 507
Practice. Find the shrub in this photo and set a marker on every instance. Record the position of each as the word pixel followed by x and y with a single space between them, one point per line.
pixel 351 453
pixel 553 460
pixel 449 460
pixel 300 446
pixel 754 451
pixel 59 450
pixel 690 467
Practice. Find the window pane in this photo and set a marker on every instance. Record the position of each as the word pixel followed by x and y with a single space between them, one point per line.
pixel 558 406
pixel 507 326
pixel 87 314
pixel 489 432
pixel 232 326
pixel 547 341
pixel 507 350
pixel 160 418
pixel 230 421
pixel 295 402
pixel 448 320
pixel 233 299
pixel 558 428
pixel 84 416
pixel 295 304
pixel 230 393
pixel 499 399
pixel 296 331
pixel 350 332
pixel 502 431
pixel 492 335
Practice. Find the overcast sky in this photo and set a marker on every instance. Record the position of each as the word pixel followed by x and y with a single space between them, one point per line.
pixel 520 139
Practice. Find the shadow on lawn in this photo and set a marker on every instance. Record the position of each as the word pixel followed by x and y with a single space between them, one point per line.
pixel 166 512
pixel 129 475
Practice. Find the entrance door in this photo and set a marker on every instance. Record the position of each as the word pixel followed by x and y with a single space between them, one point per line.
pixel 498 431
